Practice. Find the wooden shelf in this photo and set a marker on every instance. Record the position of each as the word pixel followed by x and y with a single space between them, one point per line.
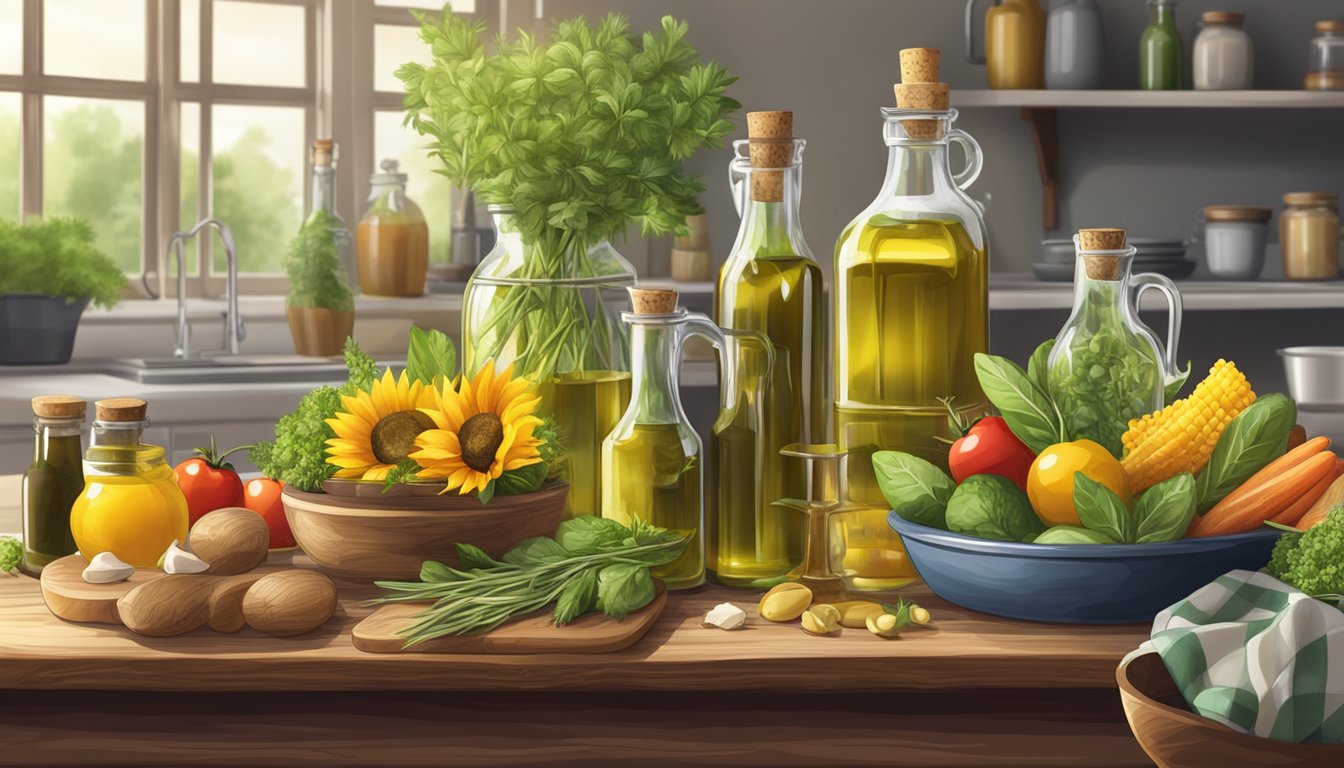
pixel 967 650
pixel 1041 108
pixel 1045 99
pixel 1020 291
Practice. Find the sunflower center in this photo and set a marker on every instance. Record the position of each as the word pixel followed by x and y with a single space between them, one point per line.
pixel 480 437
pixel 393 436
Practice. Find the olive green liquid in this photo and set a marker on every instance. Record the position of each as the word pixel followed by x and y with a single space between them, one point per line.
pixel 780 297
pixel 53 482
pixel 653 474
pixel 911 314
pixel 585 407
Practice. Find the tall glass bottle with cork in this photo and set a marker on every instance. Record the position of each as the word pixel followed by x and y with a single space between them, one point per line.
pixel 911 311
pixel 771 284
pixel 53 481
pixel 320 266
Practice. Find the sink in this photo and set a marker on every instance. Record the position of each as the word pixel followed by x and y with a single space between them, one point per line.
pixel 234 369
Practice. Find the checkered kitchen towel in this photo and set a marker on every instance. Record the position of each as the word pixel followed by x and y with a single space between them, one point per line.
pixel 1258 655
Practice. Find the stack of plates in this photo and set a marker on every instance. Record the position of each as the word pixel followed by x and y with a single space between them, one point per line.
pixel 1165 257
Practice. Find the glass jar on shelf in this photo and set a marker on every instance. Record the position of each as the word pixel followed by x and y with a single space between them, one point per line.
pixel 1223 58
pixel 1161 49
pixel 1309 231
pixel 1325 69
pixel 392 240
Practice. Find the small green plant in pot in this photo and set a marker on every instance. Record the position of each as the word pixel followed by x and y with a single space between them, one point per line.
pixel 320 305
pixel 50 270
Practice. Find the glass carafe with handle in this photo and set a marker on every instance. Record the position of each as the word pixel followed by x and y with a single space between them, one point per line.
pixel 652 465
pixel 1106 367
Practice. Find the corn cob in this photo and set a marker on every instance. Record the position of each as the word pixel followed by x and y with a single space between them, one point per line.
pixel 1181 437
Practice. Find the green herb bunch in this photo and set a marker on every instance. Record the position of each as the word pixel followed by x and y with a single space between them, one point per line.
pixel 11 553
pixel 316 274
pixel 592 564
pixel 57 257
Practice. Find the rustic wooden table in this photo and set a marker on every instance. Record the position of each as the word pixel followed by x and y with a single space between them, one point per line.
pixel 973 691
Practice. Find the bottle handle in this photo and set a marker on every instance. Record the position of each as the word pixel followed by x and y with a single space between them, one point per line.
pixel 738 174
pixel 1142 282
pixel 697 324
pixel 971 55
pixel 975 157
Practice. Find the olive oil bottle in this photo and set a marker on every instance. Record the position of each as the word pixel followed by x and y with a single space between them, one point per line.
pixel 771 284
pixel 911 311
pixel 651 461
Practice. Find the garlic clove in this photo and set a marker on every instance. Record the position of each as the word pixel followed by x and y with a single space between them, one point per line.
pixel 178 560
pixel 105 568
pixel 726 616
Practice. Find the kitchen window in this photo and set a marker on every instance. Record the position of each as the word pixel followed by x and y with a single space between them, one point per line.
pixel 145 116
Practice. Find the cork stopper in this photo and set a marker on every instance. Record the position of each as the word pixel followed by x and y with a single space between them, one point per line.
pixel 324 153
pixel 59 407
pixel 1329 26
pixel 920 89
pixel 770 145
pixel 121 409
pixel 653 301
pixel 1100 267
pixel 1223 17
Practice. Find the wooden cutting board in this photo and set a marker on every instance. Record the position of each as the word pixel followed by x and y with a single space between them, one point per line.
pixel 593 633
pixel 70 597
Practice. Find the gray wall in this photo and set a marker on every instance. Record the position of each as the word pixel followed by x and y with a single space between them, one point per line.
pixel 833 63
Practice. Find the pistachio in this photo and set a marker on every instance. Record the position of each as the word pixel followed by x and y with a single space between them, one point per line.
pixel 785 604
pixel 106 568
pixel 884 625
pixel 854 613
pixel 821 622
pixel 178 560
pixel 828 613
pixel 726 616
pixel 919 615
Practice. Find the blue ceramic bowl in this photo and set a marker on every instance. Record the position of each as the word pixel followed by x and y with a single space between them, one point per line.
pixel 1074 583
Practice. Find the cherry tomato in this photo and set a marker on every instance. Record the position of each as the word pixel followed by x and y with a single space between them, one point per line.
pixel 208 482
pixel 262 495
pixel 990 448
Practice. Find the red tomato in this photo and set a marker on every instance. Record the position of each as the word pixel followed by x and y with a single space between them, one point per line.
pixel 208 485
pixel 262 496
pixel 990 448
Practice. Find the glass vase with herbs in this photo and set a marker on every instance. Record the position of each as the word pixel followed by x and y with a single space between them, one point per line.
pixel 583 136
pixel 321 305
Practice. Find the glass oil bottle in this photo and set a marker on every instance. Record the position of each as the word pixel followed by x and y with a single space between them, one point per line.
pixel 771 284
pixel 53 481
pixel 911 311
pixel 651 462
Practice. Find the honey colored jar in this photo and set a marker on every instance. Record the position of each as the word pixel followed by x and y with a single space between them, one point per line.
pixel 1309 230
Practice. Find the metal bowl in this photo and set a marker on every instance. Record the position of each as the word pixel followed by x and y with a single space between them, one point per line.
pixel 1315 375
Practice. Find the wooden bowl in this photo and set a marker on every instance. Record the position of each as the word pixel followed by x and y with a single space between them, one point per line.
pixel 1172 735
pixel 378 536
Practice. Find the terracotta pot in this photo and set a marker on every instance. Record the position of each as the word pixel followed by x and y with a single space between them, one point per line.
pixel 360 533
pixel 319 332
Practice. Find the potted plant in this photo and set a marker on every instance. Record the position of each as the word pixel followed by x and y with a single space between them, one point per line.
pixel 50 270
pixel 320 305
pixel 392 469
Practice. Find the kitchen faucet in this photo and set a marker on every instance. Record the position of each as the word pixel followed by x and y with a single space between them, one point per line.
pixel 234 330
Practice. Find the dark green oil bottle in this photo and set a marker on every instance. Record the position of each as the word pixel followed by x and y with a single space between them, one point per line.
pixel 53 482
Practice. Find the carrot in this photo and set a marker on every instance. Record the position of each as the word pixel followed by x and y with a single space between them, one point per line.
pixel 1261 498
pixel 1298 508
pixel 1289 459
pixel 1332 498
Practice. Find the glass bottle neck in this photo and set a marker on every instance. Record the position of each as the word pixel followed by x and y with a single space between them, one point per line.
pixel 654 372
pixel 1103 294
pixel 917 170
pixel 772 227
pixel 324 190
pixel 1162 14
pixel 117 433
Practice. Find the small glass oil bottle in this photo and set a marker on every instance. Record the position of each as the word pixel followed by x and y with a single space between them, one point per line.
pixel 53 482
pixel 131 505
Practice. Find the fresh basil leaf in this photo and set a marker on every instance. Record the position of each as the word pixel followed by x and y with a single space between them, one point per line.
pixel 623 588
pixel 474 557
pixel 1072 534
pixel 917 490
pixel 1164 512
pixel 538 550
pixel 591 535
pixel 1257 436
pixel 1175 384
pixel 1030 413
pixel 578 597
pixel 992 507
pixel 434 572
pixel 430 356
pixel 527 479
pixel 1100 510
pixel 901 610
pixel 1038 367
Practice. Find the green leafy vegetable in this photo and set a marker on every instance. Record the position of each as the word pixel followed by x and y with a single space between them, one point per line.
pixel 609 570
pixel 1257 436
pixel 1026 407
pixel 430 357
pixel 1313 561
pixel 1038 367
pixel 1100 510
pixel 57 256
pixel 1164 511
pixel 316 274
pixel 1175 384
pixel 992 507
pixel 11 553
pixel 1072 534
pixel 917 490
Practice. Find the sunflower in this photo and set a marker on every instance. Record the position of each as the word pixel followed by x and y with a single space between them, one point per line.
pixel 377 429
pixel 484 428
